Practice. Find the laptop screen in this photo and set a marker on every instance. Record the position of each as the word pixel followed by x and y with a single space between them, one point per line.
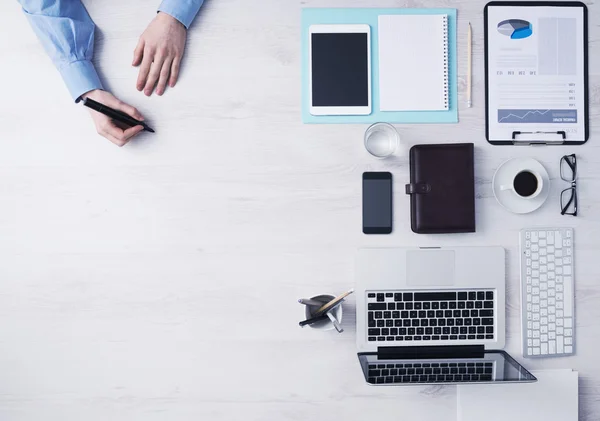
pixel 494 366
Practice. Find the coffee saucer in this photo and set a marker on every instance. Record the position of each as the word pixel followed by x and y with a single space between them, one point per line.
pixel 508 199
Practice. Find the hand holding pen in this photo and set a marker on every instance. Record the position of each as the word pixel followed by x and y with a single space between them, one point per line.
pixel 105 124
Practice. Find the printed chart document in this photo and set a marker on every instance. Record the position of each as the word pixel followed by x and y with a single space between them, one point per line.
pixel 536 74
pixel 553 397
pixel 413 62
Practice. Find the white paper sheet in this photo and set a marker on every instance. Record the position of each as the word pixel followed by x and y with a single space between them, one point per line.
pixel 535 71
pixel 553 397
pixel 413 62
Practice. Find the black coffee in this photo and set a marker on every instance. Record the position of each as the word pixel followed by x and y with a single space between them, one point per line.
pixel 526 183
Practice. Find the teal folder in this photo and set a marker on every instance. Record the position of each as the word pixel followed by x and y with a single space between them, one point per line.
pixel 314 16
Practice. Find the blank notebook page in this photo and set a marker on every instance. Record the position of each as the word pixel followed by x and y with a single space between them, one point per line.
pixel 413 62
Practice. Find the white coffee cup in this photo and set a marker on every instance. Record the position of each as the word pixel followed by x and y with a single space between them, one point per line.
pixel 527 184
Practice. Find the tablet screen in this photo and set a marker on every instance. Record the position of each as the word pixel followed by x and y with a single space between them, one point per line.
pixel 340 70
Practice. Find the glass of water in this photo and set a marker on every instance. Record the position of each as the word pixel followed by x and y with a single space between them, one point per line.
pixel 382 140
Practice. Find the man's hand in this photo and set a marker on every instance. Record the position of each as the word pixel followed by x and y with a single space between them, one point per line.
pixel 159 51
pixel 105 126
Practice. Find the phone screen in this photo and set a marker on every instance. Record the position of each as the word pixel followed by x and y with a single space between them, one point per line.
pixel 377 203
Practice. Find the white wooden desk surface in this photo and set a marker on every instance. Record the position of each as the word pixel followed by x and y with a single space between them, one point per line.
pixel 158 281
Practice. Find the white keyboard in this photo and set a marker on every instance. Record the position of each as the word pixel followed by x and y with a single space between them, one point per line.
pixel 547 292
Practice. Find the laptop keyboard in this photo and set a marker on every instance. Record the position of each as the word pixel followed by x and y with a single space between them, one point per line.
pixel 431 372
pixel 430 316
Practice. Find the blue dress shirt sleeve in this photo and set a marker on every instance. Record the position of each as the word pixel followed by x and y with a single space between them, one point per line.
pixel 183 10
pixel 67 34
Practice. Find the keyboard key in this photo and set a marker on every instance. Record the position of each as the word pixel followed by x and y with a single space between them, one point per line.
pixel 435 296
pixel 391 306
pixel 398 296
pixel 377 306
pixel 380 297
pixel 389 294
pixel 407 296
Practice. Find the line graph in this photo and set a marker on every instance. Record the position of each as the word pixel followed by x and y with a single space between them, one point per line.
pixel 537 116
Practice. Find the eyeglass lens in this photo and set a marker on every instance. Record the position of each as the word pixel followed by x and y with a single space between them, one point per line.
pixel 568 168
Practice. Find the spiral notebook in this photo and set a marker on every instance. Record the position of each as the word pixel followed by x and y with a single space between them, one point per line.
pixel 413 62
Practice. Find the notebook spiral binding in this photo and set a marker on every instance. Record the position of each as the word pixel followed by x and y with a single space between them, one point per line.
pixel 445 64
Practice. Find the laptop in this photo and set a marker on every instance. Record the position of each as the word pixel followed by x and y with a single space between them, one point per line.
pixel 433 316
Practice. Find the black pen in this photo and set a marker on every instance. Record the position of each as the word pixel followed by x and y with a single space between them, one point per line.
pixel 116 115
pixel 313 320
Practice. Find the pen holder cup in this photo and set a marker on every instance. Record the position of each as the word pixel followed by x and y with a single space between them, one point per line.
pixel 324 324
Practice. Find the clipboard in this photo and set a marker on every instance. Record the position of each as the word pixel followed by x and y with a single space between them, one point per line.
pixel 536 73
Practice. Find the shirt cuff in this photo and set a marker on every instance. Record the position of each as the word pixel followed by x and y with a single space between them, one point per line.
pixel 183 10
pixel 80 77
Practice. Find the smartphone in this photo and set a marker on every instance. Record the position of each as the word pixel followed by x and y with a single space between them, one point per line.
pixel 377 203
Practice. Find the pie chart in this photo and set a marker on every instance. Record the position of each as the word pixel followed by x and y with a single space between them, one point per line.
pixel 515 28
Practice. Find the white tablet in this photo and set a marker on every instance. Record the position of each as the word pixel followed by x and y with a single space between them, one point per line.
pixel 340 69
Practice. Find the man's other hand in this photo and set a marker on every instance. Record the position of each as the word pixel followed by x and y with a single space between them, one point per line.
pixel 105 126
pixel 159 51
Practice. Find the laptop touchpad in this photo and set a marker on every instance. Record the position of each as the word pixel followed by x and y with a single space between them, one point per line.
pixel 430 267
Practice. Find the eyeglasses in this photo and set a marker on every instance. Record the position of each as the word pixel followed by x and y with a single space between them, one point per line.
pixel 568 197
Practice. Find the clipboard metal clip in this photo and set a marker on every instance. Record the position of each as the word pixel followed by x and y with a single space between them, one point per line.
pixel 537 135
